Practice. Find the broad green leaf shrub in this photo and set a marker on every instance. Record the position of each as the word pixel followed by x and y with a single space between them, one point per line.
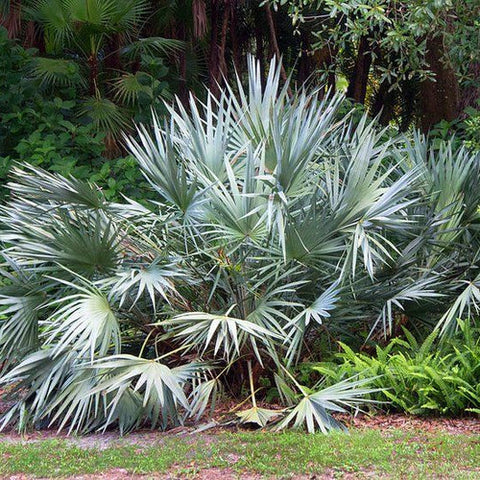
pixel 420 378
pixel 275 224
pixel 42 128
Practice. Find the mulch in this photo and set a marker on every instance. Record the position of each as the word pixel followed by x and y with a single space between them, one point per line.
pixel 395 421
pixel 385 422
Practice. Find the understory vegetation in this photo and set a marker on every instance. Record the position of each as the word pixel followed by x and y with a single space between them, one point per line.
pixel 277 226
pixel 42 126
pixel 431 377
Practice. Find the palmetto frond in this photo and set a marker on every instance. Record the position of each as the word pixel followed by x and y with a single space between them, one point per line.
pixel 56 21
pixel 32 184
pixel 19 327
pixel 313 409
pixel 64 18
pixel 256 415
pixel 85 323
pixel 57 72
pixel 152 46
pixel 152 280
pixel 104 114
pixel 161 387
pixel 130 87
pixel 39 377
pixel 224 335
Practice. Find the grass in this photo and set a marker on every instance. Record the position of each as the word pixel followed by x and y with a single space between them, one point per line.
pixel 392 454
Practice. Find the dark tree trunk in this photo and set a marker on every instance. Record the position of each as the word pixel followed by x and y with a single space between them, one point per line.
pixel 357 87
pixel 439 98
pixel 384 104
pixel 323 60
pixel 182 59
pixel 222 61
pixel 236 47
pixel 92 74
pixel 314 60
pixel 12 21
pixel 305 64
pixel 218 45
pixel 273 41
pixel 112 59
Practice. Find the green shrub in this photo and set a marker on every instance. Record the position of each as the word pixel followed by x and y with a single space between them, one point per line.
pixel 424 378
pixel 124 314
pixel 463 130
pixel 43 129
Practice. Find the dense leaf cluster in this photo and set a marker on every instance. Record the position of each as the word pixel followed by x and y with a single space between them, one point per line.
pixel 419 378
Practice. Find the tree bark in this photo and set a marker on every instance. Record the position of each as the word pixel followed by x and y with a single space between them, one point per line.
pixel 313 60
pixel 93 73
pixel 235 41
pixel 182 65
pixel 357 87
pixel 12 21
pixel 112 60
pixel 439 98
pixel 274 42
pixel 323 60
pixel 218 39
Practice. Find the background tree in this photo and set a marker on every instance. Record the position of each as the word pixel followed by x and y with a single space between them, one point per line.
pixel 412 60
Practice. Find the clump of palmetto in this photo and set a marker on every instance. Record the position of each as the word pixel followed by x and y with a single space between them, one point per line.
pixel 276 223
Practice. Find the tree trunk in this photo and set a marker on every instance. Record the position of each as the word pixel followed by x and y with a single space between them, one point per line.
pixel 235 41
pixel 182 67
pixel 315 60
pixel 439 98
pixel 112 60
pixel 274 42
pixel 93 73
pixel 12 21
pixel 218 42
pixel 222 61
pixel 357 87
pixel 323 60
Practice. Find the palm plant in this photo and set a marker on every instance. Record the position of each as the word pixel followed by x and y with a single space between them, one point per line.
pixel 97 47
pixel 275 223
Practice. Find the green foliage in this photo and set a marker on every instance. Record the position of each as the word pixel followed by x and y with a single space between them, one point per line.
pixel 58 144
pixel 15 90
pixel 396 32
pixel 97 47
pixel 54 140
pixel 396 29
pixel 461 131
pixel 392 52
pixel 471 127
pixel 43 129
pixel 428 377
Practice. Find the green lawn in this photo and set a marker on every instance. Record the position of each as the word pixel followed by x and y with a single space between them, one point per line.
pixel 392 454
